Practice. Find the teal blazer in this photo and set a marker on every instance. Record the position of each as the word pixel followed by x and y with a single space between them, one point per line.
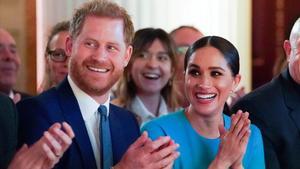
pixel 8 130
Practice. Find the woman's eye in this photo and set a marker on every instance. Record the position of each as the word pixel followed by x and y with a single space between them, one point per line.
pixel 194 72
pixel 216 73
pixel 143 55
pixel 163 57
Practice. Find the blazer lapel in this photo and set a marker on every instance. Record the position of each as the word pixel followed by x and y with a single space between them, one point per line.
pixel 291 98
pixel 71 111
pixel 117 136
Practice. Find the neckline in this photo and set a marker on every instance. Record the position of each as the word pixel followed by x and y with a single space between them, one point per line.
pixel 191 128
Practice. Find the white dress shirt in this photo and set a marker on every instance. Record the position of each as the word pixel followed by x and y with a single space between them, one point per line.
pixel 11 94
pixel 88 108
pixel 143 114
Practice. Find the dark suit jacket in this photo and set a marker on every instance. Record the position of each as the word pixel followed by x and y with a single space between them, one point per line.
pixel 275 109
pixel 59 104
pixel 8 130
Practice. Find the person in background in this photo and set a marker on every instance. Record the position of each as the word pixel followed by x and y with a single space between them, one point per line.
pixel 211 72
pixel 55 56
pixel 107 136
pixel 9 66
pixel 44 154
pixel 147 87
pixel 183 36
pixel 274 108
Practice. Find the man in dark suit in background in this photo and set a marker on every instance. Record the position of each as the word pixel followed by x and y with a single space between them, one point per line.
pixel 8 130
pixel 275 109
pixel 99 47
pixel 9 66
pixel 36 156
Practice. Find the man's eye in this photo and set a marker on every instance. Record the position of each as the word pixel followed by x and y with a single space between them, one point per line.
pixel 90 44
pixel 112 48
pixel 13 50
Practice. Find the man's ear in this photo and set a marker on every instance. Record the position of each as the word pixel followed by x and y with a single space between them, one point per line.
pixel 128 54
pixel 287 48
pixel 69 45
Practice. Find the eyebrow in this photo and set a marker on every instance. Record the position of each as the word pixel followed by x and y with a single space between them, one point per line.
pixel 211 68
pixel 10 45
pixel 193 66
pixel 216 68
pixel 162 52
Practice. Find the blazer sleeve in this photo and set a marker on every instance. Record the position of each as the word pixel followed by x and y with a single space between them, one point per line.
pixel 33 121
pixel 8 130
pixel 271 160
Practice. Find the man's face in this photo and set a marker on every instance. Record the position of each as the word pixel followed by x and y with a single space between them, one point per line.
pixel 98 55
pixel 183 38
pixel 294 61
pixel 9 61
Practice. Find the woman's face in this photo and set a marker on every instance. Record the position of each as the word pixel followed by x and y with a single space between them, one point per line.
pixel 151 70
pixel 208 81
pixel 58 70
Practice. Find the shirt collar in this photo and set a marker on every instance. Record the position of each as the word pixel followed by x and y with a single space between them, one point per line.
pixel 11 94
pixel 140 109
pixel 294 83
pixel 88 106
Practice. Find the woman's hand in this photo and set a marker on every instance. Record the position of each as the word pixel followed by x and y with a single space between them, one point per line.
pixel 233 142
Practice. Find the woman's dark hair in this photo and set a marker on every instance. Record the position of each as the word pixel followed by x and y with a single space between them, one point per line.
pixel 142 40
pixel 230 53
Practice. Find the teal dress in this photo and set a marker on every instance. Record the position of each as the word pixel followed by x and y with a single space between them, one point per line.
pixel 196 151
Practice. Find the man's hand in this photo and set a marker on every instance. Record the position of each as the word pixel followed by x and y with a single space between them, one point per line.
pixel 47 151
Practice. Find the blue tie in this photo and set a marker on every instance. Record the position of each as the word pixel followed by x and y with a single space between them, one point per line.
pixel 106 147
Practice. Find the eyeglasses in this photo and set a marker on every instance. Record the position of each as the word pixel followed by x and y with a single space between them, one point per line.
pixel 161 56
pixel 181 50
pixel 58 55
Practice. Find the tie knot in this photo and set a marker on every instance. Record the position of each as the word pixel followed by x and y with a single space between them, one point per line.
pixel 102 110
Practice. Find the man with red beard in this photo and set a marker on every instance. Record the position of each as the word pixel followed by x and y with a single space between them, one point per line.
pixel 99 47
pixel 9 66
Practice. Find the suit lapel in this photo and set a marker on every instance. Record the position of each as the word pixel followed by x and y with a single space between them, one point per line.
pixel 116 133
pixel 291 98
pixel 72 114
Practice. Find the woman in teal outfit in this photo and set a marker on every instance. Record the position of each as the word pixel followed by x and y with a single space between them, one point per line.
pixel 207 137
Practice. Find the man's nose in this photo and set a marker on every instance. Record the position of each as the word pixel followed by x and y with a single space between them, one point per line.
pixel 7 54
